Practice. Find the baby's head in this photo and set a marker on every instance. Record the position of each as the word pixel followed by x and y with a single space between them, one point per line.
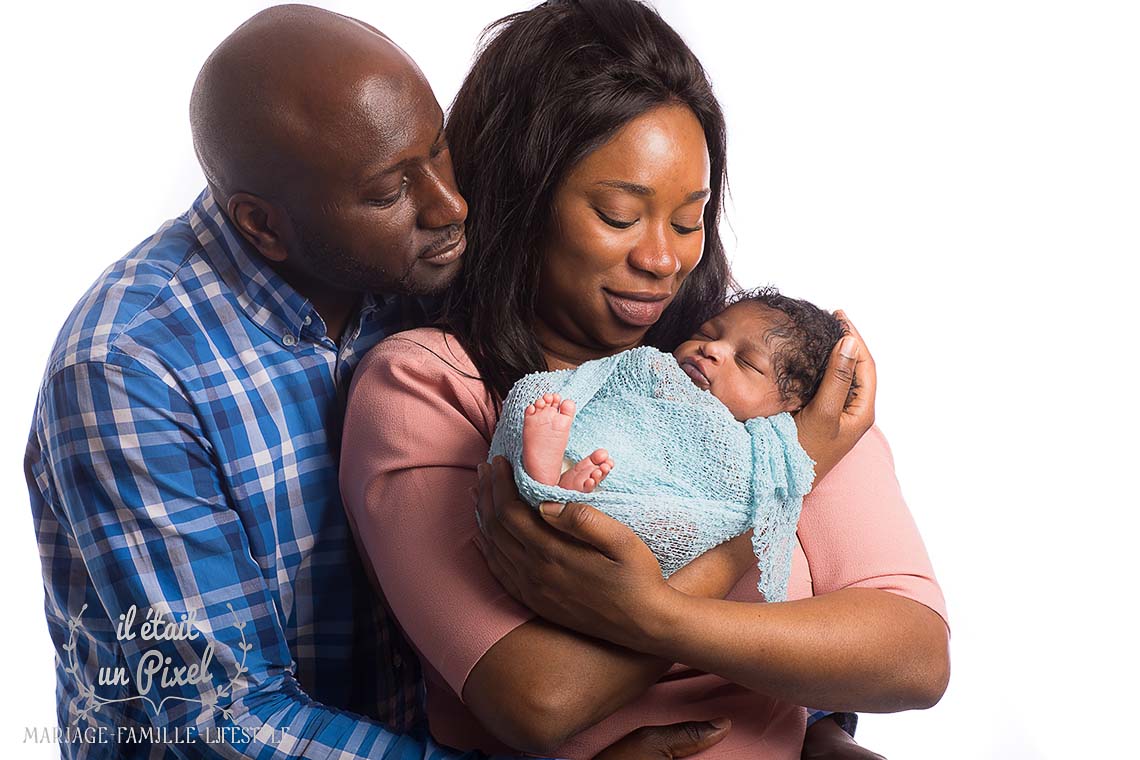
pixel 764 354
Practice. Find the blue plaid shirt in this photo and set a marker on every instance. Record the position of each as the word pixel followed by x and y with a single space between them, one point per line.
pixel 182 466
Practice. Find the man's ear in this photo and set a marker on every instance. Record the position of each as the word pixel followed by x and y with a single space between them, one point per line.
pixel 261 223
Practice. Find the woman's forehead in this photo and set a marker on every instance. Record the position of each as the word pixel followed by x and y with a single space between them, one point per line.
pixel 662 149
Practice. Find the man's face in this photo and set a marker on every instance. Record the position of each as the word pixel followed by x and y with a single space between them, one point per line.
pixel 378 209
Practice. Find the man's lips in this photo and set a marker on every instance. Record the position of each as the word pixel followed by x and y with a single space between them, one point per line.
pixel 637 308
pixel 692 367
pixel 447 253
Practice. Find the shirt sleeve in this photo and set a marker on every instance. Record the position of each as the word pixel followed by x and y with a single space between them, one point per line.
pixel 417 426
pixel 847 721
pixel 137 492
pixel 857 532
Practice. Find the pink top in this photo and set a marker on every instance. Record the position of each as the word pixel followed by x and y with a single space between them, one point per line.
pixel 417 426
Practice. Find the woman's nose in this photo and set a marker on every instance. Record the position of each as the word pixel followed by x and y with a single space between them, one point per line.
pixel 655 253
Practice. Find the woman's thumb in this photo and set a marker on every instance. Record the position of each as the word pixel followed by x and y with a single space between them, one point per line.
pixel 588 525
pixel 833 391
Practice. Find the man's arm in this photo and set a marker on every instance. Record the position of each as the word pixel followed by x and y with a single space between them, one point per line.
pixel 133 484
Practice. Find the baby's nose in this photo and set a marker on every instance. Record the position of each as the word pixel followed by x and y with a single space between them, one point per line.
pixel 712 350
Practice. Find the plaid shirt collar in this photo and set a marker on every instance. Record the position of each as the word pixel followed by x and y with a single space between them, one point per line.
pixel 264 295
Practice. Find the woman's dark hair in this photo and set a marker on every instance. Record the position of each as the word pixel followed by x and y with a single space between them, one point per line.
pixel 550 86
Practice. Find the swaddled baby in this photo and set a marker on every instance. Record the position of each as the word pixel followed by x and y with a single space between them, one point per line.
pixel 689 450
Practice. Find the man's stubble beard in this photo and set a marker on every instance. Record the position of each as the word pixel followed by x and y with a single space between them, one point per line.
pixel 342 271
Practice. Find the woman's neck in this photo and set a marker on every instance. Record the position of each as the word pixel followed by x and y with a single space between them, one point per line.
pixel 563 352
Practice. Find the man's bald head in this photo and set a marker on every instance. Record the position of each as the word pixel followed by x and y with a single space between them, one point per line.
pixel 323 143
pixel 272 100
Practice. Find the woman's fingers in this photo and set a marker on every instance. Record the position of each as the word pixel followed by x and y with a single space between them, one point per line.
pixel 488 512
pixel 667 742
pixel 831 398
pixel 512 514
pixel 592 527
pixel 862 402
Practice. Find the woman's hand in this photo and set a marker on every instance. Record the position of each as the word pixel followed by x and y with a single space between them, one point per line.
pixel 825 740
pixel 844 407
pixel 666 742
pixel 584 570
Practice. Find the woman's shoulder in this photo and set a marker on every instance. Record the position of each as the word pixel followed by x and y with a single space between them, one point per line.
pixel 429 348
pixel 421 373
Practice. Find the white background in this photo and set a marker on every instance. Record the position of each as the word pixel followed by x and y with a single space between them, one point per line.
pixel 962 177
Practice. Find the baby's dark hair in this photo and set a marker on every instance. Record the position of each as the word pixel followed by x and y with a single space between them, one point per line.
pixel 801 345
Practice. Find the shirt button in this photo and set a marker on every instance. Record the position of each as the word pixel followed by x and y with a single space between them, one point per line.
pixel 289 341
pixel 308 321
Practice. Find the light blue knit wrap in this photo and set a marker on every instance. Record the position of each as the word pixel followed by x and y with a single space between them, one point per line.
pixel 687 475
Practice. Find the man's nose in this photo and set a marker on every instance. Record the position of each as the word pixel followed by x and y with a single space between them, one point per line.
pixel 441 205
pixel 655 253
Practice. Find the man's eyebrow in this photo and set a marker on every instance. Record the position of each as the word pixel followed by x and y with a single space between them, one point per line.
pixel 371 176
pixel 648 192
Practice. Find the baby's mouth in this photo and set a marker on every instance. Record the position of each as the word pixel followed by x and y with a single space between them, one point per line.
pixel 693 370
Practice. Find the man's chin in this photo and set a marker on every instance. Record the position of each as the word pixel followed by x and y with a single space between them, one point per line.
pixel 424 279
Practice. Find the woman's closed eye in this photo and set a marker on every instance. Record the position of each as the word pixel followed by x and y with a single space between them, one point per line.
pixel 683 230
pixel 620 224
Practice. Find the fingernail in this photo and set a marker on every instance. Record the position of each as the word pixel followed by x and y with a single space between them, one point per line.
pixel 551 508
pixel 473 494
pixel 720 723
pixel 481 469
pixel 847 347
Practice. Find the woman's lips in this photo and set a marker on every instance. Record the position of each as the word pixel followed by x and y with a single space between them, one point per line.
pixel 636 309
pixel 693 370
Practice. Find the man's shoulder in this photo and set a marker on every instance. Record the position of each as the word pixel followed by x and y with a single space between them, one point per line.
pixel 136 303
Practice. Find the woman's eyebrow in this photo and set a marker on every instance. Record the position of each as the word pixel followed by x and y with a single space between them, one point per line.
pixel 646 192
pixel 629 187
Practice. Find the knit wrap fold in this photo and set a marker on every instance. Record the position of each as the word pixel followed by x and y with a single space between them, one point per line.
pixel 687 475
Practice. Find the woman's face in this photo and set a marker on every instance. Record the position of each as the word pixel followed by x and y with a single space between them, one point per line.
pixel 627 229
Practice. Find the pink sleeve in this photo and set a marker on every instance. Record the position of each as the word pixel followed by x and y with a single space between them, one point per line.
pixel 415 430
pixel 857 532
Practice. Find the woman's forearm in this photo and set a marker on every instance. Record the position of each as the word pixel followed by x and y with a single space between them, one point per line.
pixel 542 683
pixel 859 650
pixel 856 650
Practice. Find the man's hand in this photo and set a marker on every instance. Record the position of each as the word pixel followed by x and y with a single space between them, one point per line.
pixel 825 740
pixel 666 742
pixel 573 565
pixel 844 407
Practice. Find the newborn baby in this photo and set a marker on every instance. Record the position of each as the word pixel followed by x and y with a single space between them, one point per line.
pixel 764 354
pixel 699 446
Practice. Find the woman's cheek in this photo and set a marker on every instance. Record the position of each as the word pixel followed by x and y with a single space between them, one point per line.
pixel 697 252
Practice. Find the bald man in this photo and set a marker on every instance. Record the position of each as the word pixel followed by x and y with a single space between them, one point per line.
pixel 202 588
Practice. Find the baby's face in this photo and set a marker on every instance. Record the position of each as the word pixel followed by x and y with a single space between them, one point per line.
pixel 730 356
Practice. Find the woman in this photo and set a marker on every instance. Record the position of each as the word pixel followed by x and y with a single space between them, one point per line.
pixel 591 151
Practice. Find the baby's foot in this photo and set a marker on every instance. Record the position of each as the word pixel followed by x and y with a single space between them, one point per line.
pixel 546 429
pixel 587 474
